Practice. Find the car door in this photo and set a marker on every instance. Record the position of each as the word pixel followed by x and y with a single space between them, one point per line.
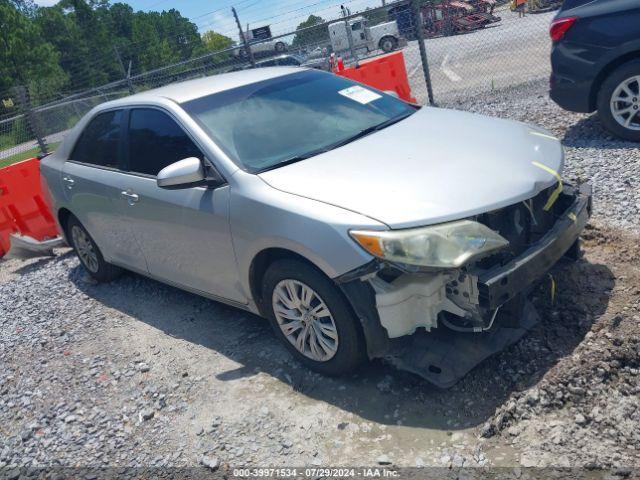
pixel 184 233
pixel 93 184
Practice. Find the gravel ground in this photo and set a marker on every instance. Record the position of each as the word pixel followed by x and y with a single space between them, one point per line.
pixel 136 373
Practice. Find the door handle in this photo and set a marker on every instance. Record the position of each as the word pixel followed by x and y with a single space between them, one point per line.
pixel 131 197
pixel 69 181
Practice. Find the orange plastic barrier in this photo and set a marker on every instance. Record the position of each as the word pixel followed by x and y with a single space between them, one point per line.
pixel 22 208
pixel 387 72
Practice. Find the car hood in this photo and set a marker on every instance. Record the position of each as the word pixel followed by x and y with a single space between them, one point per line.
pixel 435 166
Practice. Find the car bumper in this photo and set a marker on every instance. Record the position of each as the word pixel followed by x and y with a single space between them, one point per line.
pixel 499 285
pixel 571 95
pixel 400 310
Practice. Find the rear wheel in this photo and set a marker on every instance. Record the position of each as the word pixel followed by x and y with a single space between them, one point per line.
pixel 388 44
pixel 89 253
pixel 619 102
pixel 312 318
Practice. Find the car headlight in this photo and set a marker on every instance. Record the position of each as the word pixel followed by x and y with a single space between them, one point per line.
pixel 449 245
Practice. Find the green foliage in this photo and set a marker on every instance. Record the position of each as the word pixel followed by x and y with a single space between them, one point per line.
pixel 313 35
pixel 6 141
pixel 214 42
pixel 375 16
pixel 25 58
pixel 79 44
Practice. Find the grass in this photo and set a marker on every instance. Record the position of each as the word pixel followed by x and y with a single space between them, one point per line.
pixel 18 157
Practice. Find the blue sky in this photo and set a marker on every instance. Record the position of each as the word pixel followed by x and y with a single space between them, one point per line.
pixel 282 15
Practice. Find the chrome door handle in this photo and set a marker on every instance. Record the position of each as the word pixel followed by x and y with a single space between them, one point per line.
pixel 69 181
pixel 131 197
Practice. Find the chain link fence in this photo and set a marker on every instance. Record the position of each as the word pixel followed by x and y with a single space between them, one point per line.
pixel 453 49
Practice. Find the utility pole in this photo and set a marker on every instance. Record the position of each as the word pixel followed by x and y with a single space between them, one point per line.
pixel 243 37
pixel 345 14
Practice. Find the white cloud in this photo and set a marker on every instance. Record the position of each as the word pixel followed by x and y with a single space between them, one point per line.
pixel 46 3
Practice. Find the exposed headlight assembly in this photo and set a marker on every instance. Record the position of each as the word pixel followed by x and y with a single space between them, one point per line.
pixel 448 245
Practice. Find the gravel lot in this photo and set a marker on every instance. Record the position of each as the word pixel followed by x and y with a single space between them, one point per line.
pixel 135 373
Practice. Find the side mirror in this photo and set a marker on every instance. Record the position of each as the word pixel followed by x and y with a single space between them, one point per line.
pixel 182 174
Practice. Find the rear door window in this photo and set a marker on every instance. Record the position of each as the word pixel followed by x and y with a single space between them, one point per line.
pixel 156 141
pixel 99 143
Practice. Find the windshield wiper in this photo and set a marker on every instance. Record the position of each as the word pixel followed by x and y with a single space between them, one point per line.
pixel 360 134
pixel 370 130
pixel 295 159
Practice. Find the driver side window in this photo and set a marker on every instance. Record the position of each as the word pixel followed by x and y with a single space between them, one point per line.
pixel 156 141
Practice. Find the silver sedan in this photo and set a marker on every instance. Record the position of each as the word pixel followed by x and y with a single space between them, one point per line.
pixel 344 215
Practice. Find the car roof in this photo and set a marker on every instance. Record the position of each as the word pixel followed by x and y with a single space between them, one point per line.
pixel 202 87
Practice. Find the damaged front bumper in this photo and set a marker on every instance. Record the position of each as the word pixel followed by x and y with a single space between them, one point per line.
pixel 500 284
pixel 391 307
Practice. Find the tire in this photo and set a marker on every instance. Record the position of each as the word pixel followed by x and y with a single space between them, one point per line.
pixel 388 44
pixel 280 47
pixel 626 126
pixel 343 356
pixel 92 261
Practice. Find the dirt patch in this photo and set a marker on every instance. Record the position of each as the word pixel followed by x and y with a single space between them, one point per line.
pixel 582 405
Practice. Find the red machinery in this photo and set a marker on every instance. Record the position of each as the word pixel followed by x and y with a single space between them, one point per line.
pixel 457 16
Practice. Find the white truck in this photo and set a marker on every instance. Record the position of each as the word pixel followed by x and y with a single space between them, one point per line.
pixel 384 36
pixel 260 42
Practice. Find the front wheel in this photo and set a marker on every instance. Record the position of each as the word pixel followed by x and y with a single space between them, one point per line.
pixel 619 102
pixel 312 318
pixel 388 44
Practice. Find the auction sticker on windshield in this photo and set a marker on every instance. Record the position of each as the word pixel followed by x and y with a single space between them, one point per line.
pixel 360 94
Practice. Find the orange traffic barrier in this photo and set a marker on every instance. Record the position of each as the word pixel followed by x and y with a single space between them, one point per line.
pixel 22 207
pixel 386 72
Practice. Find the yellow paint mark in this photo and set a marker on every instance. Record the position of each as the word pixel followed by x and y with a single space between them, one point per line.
pixel 543 135
pixel 553 289
pixel 558 190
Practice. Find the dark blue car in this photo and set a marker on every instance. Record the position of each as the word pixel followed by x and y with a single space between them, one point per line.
pixel 595 62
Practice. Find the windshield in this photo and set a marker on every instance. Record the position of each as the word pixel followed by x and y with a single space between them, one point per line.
pixel 288 118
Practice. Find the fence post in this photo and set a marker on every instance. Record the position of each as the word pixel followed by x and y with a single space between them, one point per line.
pixel 243 37
pixel 33 123
pixel 417 22
pixel 126 73
pixel 347 26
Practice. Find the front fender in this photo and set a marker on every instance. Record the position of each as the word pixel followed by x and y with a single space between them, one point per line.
pixel 263 217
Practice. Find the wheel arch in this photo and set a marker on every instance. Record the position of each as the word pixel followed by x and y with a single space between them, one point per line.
pixel 606 71
pixel 262 261
pixel 63 217
pixel 359 296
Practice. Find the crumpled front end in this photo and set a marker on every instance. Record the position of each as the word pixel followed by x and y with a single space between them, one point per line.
pixel 483 295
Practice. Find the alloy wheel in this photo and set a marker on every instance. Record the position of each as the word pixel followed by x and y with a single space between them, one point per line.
pixel 625 103
pixel 305 320
pixel 84 248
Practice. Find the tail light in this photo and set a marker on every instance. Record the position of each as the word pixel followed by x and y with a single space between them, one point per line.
pixel 560 26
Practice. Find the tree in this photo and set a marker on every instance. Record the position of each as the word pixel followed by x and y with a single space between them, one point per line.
pixel 375 15
pixel 25 58
pixel 312 36
pixel 214 42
